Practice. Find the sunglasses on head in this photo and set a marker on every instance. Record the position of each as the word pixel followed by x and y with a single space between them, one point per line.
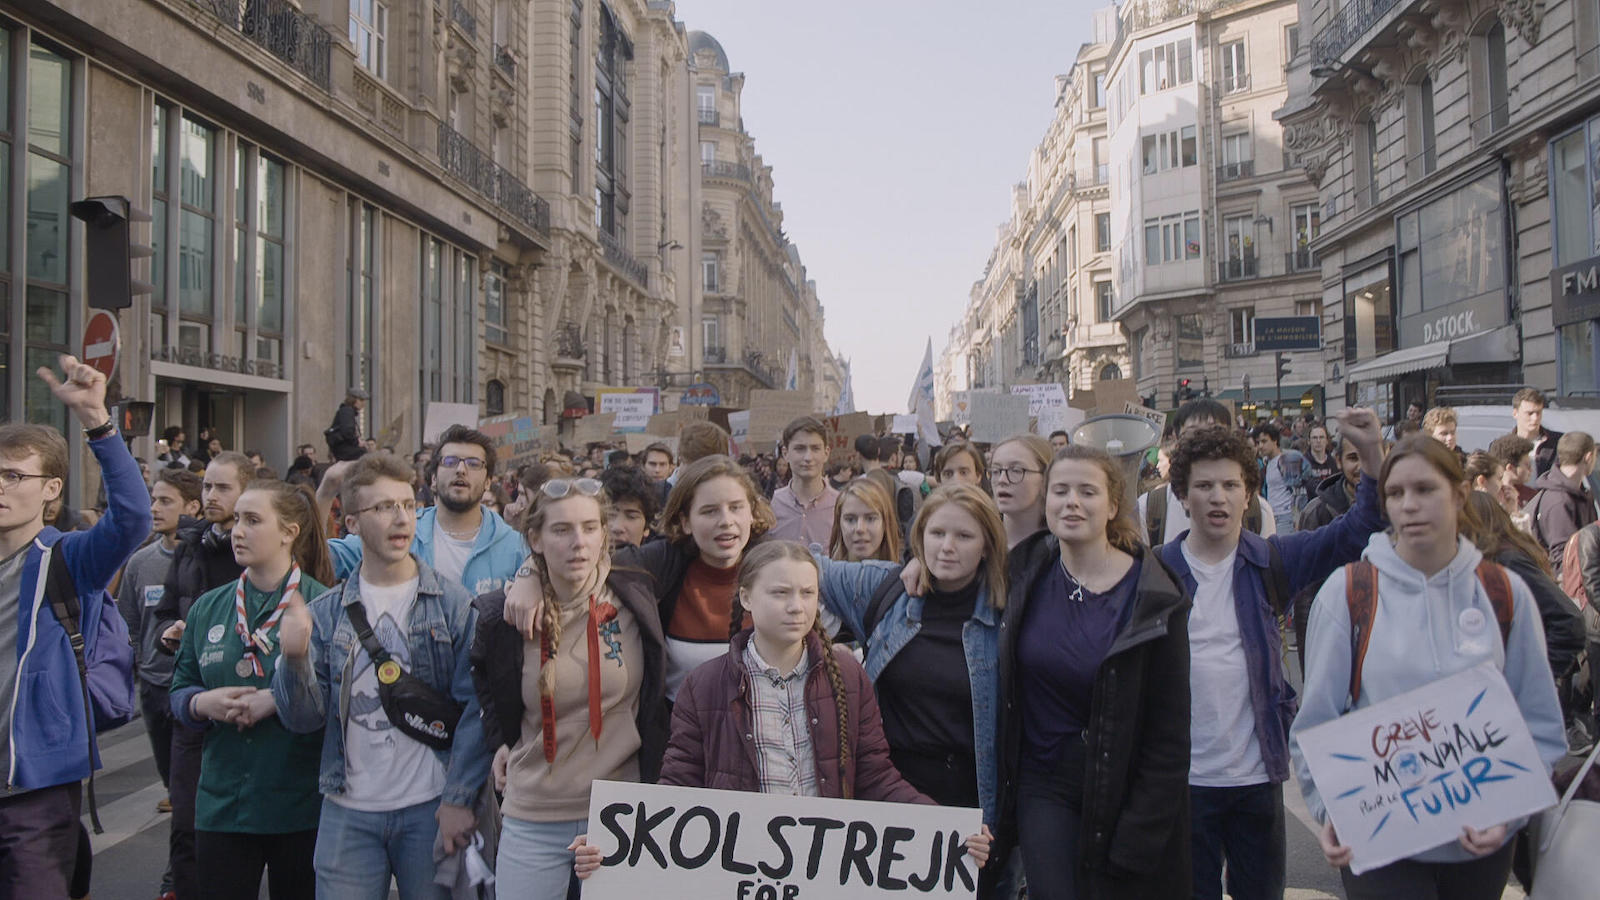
pixel 557 488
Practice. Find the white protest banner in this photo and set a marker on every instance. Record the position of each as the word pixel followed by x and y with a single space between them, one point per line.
pixel 1052 420
pixel 1405 775
pixel 961 407
pixel 633 406
pixel 440 416
pixel 1040 396
pixel 996 417
pixel 660 841
pixel 903 424
pixel 739 432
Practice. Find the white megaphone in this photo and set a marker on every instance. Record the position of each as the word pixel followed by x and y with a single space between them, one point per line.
pixel 1125 438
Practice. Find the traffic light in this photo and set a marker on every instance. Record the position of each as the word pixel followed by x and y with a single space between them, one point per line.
pixel 111 250
pixel 1184 390
pixel 1283 366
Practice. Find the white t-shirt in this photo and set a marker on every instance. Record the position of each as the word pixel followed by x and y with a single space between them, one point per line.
pixel 1178 518
pixel 1223 750
pixel 1277 491
pixel 450 555
pixel 384 769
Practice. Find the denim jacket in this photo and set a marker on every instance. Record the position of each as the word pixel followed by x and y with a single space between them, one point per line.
pixel 440 634
pixel 847 590
pixel 1309 557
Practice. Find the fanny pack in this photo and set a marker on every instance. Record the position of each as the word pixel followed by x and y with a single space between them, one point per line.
pixel 412 705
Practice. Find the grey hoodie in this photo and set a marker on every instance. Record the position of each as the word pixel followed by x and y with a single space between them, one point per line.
pixel 1417 639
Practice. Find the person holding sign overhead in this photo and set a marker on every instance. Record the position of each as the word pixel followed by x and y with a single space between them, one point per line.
pixel 1424 605
pixel 258 803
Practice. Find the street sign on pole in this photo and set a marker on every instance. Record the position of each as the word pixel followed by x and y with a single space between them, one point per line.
pixel 101 341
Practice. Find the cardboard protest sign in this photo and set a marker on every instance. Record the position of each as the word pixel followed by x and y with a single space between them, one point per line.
pixel 634 406
pixel 961 407
pixel 668 424
pixel 1139 409
pixel 637 443
pixel 1112 396
pixel 1403 776
pixel 517 440
pixel 660 841
pixel 739 432
pixel 593 429
pixel 903 424
pixel 842 434
pixel 440 416
pixel 771 411
pixel 996 417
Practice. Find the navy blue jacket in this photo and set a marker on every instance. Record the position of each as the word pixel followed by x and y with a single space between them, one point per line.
pixel 1309 557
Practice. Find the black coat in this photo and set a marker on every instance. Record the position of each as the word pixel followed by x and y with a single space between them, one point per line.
pixel 344 435
pixel 497 661
pixel 1134 835
pixel 198 565
pixel 1563 623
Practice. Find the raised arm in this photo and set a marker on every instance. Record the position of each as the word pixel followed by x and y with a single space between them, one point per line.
pixel 848 587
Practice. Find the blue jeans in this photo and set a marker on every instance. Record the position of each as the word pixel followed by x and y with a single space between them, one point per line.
pixel 533 862
pixel 358 852
pixel 1244 826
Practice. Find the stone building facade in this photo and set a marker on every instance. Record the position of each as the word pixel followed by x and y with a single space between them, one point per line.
pixel 1456 150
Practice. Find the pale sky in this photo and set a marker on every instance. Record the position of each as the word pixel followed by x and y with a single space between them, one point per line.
pixel 895 130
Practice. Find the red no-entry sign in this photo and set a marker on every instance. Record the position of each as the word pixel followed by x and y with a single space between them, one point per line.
pixel 101 340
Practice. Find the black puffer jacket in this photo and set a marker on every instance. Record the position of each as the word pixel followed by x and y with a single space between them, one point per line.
pixel 1333 500
pixel 1563 623
pixel 1135 828
pixel 497 661
pixel 198 565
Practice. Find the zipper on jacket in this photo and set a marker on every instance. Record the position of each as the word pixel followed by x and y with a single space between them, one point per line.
pixel 40 579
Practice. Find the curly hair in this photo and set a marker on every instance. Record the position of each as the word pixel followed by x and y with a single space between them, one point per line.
pixel 749 569
pixel 698 473
pixel 1214 442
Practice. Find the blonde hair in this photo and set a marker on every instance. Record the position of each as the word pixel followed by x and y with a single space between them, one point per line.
pixel 550 611
pixel 1039 450
pixel 980 506
pixel 791 551
pixel 872 494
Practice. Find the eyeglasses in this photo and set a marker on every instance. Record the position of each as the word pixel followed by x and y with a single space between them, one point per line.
pixel 472 463
pixel 10 478
pixel 387 508
pixel 557 488
pixel 1014 474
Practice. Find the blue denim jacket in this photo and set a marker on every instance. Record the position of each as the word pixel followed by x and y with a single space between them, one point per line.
pixel 440 632
pixel 847 589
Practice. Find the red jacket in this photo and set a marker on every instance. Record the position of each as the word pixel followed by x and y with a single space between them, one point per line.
pixel 711 746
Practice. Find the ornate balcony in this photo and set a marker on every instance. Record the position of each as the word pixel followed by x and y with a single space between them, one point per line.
pixel 1301 260
pixel 715 355
pixel 1238 268
pixel 623 261
pixel 462 158
pixel 277 27
pixel 505 61
pixel 722 169
pixel 1236 170
pixel 460 15
pixel 1239 350
pixel 1347 27
pixel 710 117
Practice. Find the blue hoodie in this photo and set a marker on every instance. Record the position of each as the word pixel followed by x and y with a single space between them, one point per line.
pixel 496 554
pixel 49 727
pixel 1416 640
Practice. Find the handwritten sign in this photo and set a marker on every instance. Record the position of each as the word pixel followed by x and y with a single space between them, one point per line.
pixel 517 439
pixel 633 406
pixel 961 407
pixel 1405 775
pixel 593 429
pixel 996 417
pixel 1139 409
pixel 842 434
pixel 661 841
pixel 739 432
pixel 904 424
pixel 772 411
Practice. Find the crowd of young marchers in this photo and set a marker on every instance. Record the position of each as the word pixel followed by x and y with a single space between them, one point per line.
pixel 377 670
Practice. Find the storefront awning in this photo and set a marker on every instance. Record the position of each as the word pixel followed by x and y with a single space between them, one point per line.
pixel 1495 346
pixel 1266 393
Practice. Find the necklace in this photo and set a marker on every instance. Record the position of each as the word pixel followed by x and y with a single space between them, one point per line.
pixel 1077 586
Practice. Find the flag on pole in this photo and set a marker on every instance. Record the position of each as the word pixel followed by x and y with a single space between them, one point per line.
pixel 791 382
pixel 921 401
pixel 847 396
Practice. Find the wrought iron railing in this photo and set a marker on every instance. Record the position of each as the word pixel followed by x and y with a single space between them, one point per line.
pixel 724 169
pixel 569 341
pixel 462 158
pixel 1239 350
pixel 505 61
pixel 462 16
pixel 624 261
pixel 277 27
pixel 1348 26
pixel 1238 268
pixel 1301 260
pixel 1231 171
pixel 716 355
pixel 709 116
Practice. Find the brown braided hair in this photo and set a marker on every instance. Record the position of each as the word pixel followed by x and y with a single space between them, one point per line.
pixel 758 558
pixel 550 610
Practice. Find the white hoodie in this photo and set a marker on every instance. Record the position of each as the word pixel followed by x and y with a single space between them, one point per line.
pixel 1417 639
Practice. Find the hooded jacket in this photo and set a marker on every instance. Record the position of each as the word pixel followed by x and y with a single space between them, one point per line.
pixel 1332 500
pixel 1562 506
pixel 1417 639
pixel 496 554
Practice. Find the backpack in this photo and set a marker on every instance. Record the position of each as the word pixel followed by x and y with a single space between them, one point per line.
pixel 105 672
pixel 1155 515
pixel 1361 596
pixel 1572 572
pixel 879 604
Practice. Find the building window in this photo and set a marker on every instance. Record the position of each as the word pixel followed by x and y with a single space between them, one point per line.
pixel 711 339
pixel 1291 42
pixel 1101 168
pixel 1097 90
pixel 708 152
pixel 1306 308
pixel 706 102
pixel 197 156
pixel 46 312
pixel 1169 150
pixel 1166 66
pixel 1369 324
pixel 611 126
pixel 1235 68
pixel 1453 250
pixel 1102 232
pixel 433 320
pixel 495 324
pixel 1306 220
pixel 269 188
pixel 709 272
pixel 575 94
pixel 1110 372
pixel 1238 160
pixel 1172 238
pixel 1103 297
pixel 1572 195
pixel 494 398
pixel 369 34
pixel 1136 352
pixel 359 316
pixel 1368 165
pixel 1420 135
pixel 1490 109
pixel 1191 341
pixel 1239 238
pixel 1242 325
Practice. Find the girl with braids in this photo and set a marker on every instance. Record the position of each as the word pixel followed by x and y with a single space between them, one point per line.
pixel 258 802
pixel 782 670
pixel 581 701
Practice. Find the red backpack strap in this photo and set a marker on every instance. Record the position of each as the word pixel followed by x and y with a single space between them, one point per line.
pixel 1361 596
pixel 1498 586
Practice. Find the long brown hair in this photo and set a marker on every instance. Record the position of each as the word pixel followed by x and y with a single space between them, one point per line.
pixel 296 504
pixel 1497 534
pixel 749 569
pixel 698 473
pixel 1121 530
pixel 550 611
pixel 974 502
pixel 1448 465
pixel 872 494
pixel 950 451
